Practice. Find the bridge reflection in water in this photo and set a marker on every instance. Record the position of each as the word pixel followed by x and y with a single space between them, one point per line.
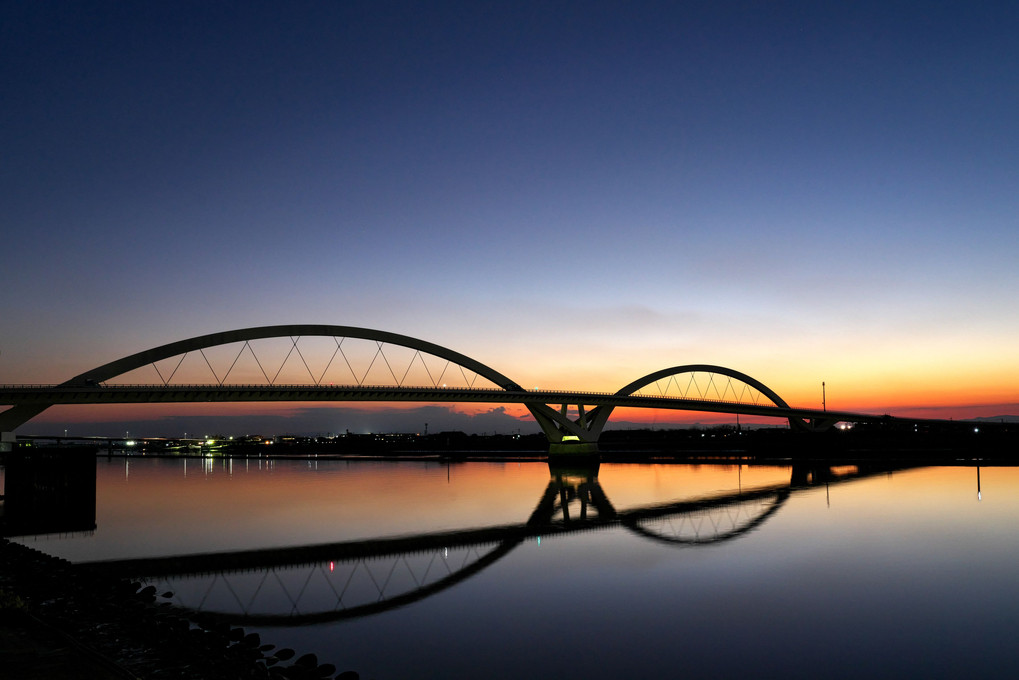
pixel 330 582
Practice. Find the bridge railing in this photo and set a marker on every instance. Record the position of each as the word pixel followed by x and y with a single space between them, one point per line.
pixel 554 395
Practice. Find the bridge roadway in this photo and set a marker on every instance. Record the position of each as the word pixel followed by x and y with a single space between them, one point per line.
pixel 19 395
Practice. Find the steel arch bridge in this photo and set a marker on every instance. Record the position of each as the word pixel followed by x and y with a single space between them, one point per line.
pixel 395 368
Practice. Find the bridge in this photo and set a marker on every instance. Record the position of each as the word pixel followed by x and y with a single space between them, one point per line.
pixel 317 363
pixel 303 585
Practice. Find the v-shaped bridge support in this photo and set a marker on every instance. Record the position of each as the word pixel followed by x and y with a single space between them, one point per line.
pixel 559 427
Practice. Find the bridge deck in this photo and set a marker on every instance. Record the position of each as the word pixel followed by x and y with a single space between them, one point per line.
pixel 123 394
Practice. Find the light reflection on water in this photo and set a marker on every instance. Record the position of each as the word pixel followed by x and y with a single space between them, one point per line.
pixel 907 573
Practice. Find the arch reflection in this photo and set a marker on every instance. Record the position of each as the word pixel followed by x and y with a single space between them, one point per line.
pixel 308 585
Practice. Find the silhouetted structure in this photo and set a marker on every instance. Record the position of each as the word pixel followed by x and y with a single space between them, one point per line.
pixel 571 420
pixel 49 490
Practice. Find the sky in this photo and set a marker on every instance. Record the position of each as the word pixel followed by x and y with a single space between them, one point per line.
pixel 573 193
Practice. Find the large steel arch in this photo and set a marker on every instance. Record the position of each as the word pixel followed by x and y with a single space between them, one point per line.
pixel 599 416
pixel 292 619
pixel 18 415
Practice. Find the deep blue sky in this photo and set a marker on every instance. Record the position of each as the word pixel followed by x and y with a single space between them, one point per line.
pixel 575 193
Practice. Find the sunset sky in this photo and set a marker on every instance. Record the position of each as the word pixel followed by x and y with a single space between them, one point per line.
pixel 576 194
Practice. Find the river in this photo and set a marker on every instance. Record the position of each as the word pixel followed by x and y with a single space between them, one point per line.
pixel 512 570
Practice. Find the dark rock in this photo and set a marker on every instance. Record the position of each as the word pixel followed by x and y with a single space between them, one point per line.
pixel 122 622
pixel 307 661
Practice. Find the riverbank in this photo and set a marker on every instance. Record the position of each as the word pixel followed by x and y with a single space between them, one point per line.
pixel 59 620
pixel 947 440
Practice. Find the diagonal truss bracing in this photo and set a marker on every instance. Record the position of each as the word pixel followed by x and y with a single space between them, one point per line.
pixel 364 360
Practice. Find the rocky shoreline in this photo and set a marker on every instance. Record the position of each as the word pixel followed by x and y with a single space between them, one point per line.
pixel 60 620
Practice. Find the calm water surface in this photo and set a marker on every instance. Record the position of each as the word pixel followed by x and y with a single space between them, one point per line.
pixel 638 571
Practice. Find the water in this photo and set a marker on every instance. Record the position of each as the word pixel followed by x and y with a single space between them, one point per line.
pixel 675 571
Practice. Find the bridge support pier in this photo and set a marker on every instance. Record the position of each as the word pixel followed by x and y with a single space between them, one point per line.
pixel 49 490
pixel 573 450
pixel 568 439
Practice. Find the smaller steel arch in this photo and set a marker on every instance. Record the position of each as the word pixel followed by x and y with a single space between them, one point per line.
pixel 777 501
pixel 599 416
pixel 703 368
